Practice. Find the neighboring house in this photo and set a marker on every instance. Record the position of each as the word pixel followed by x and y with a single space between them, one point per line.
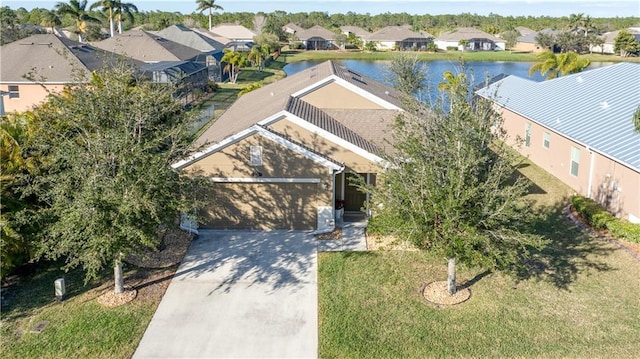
pixel 580 129
pixel 527 42
pixel 477 40
pixel 291 28
pixel 186 76
pixel 154 49
pixel 317 38
pixel 240 38
pixel 399 38
pixel 50 62
pixel 283 155
pixel 610 40
pixel 356 31
pixel 524 31
pixel 211 50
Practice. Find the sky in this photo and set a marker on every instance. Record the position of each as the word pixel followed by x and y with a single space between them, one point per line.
pixel 554 8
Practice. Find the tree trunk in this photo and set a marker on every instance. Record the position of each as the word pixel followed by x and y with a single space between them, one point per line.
pixel 117 273
pixel 451 276
pixel 209 19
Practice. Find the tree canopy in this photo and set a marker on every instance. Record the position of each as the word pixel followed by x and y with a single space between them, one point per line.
pixel 107 146
pixel 452 184
pixel 553 65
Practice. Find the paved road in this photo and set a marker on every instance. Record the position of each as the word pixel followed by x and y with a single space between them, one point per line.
pixel 239 294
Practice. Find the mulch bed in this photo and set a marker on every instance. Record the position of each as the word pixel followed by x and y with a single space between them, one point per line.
pixel 336 234
pixel 437 293
pixel 156 268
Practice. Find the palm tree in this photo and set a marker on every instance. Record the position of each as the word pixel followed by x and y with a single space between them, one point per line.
pixel 208 5
pixel 123 9
pixel 106 6
pixel 50 19
pixel 258 55
pixel 557 65
pixel 78 10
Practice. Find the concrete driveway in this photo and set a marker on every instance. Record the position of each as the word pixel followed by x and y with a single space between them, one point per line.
pixel 239 294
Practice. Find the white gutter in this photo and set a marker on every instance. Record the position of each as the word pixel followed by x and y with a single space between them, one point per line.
pixel 333 197
pixel 591 163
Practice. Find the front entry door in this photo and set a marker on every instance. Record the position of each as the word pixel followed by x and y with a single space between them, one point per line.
pixel 353 198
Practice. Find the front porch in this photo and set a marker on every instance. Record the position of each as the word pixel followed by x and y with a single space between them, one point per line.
pixel 351 205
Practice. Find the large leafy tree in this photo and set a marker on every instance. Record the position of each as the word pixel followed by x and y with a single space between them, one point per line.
pixel 233 61
pixel 16 130
pixel 452 186
pixel 626 44
pixel 210 5
pixel 553 65
pixel 78 11
pixel 107 147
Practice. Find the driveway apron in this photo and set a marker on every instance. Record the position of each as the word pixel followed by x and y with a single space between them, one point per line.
pixel 239 294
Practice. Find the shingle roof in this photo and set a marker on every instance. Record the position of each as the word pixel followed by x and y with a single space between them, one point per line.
pixel 45 56
pixel 291 27
pixel 267 101
pixel 321 119
pixel 594 108
pixel 187 37
pixel 531 37
pixel 233 32
pixel 396 33
pixel 358 31
pixel 467 33
pixel 315 31
pixel 147 47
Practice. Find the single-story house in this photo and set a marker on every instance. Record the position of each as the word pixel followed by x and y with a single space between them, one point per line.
pixel 580 129
pixel 210 49
pixel 240 38
pixel 610 40
pixel 317 38
pixel 399 38
pixel 284 155
pixel 477 40
pixel 292 28
pixel 186 76
pixel 37 65
pixel 527 42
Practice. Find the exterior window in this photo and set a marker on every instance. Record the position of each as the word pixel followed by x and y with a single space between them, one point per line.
pixel 527 135
pixel 255 153
pixel 575 161
pixel 14 91
pixel 546 140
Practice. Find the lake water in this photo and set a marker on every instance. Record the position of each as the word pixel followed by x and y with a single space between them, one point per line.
pixel 477 71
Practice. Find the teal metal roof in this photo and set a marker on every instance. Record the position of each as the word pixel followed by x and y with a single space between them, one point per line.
pixel 594 108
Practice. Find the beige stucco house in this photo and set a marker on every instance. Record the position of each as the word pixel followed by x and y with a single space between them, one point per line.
pixel 580 129
pixel 282 156
pixel 477 40
pixel 34 67
pixel 399 38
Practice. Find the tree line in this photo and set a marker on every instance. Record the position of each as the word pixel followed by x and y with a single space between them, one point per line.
pixel 102 14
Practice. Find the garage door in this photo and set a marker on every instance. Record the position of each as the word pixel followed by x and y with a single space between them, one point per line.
pixel 261 206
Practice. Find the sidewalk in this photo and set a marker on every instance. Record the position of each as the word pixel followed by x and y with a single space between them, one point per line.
pixel 353 239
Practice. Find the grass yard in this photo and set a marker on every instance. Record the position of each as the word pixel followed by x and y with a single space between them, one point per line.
pixel 580 299
pixel 300 55
pixel 78 327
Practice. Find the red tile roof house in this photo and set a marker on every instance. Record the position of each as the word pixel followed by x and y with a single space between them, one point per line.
pixel 580 129
pixel 283 155
pixel 52 62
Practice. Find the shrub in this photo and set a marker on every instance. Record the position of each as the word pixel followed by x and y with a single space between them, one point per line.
pixel 625 230
pixel 253 86
pixel 598 217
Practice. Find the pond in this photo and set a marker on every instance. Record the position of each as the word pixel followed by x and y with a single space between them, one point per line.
pixel 476 71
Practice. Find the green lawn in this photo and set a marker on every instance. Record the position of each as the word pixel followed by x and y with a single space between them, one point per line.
pixel 300 55
pixel 78 326
pixel 580 299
